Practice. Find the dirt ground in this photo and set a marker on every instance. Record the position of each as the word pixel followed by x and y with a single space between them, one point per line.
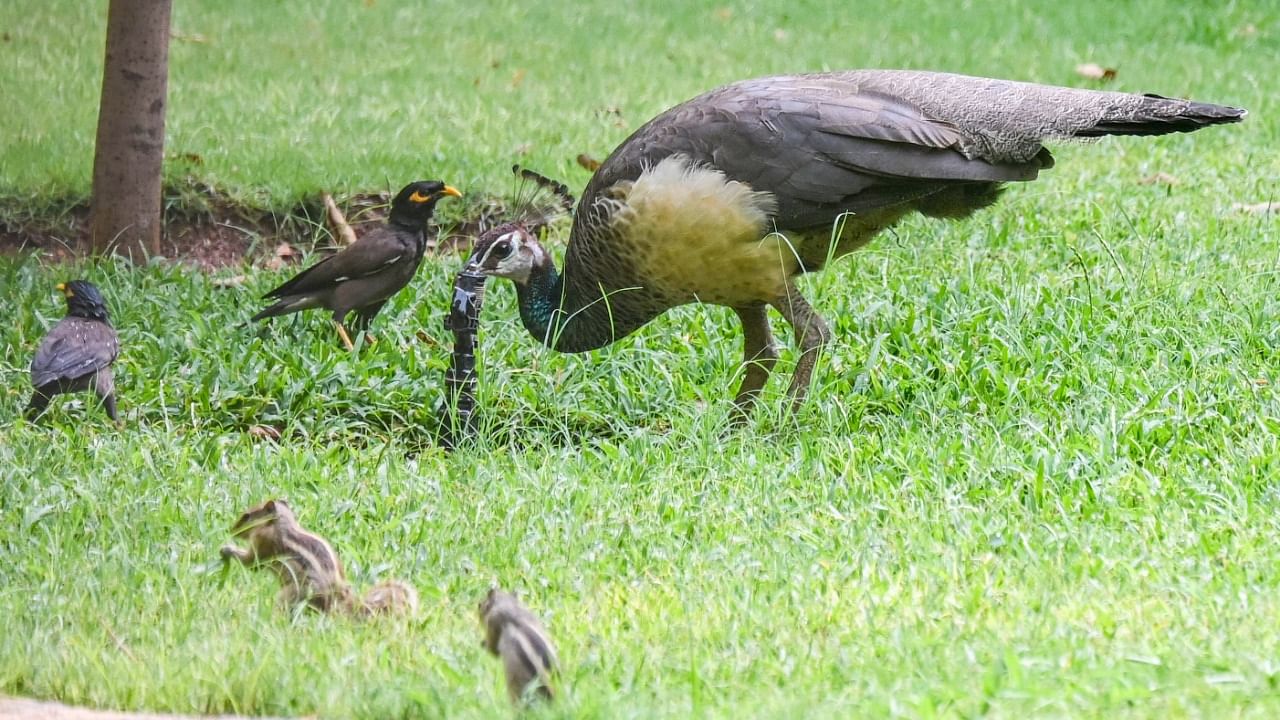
pixel 208 244
pixel 221 235
pixel 21 708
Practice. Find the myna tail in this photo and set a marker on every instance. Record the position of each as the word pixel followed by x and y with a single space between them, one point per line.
pixel 282 307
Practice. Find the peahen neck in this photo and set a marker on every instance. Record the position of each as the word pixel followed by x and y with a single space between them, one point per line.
pixel 563 320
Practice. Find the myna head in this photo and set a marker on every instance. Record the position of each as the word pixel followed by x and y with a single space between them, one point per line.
pixel 414 204
pixel 509 251
pixel 84 300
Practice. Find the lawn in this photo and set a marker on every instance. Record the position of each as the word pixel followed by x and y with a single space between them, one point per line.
pixel 1036 476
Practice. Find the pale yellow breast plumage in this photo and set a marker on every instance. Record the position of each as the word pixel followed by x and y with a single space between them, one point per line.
pixel 695 235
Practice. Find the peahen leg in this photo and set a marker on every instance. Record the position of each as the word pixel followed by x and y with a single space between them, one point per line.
pixel 812 335
pixel 759 354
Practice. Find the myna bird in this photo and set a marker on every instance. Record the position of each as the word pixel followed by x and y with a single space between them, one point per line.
pixel 77 353
pixel 730 197
pixel 364 275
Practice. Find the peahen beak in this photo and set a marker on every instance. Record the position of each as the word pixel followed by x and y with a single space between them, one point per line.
pixel 472 265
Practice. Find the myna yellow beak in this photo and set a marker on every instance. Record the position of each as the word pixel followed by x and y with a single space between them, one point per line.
pixel 451 191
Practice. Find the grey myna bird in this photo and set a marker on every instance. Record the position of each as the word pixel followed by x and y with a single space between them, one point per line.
pixel 729 197
pixel 364 275
pixel 77 353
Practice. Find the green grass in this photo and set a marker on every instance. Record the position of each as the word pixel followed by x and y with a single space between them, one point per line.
pixel 1036 478
pixel 281 100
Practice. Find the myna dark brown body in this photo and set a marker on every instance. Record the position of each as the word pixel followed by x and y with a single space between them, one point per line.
pixel 362 277
pixel 77 353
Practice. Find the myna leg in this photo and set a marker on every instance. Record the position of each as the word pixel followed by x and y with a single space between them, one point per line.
pixel 39 402
pixel 759 354
pixel 364 317
pixel 104 386
pixel 342 333
pixel 812 335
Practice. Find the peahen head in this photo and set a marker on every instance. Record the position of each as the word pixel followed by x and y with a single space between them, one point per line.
pixel 509 251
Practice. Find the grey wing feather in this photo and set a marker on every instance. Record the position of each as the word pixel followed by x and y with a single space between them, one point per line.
pixel 868 138
pixel 74 348
pixel 815 142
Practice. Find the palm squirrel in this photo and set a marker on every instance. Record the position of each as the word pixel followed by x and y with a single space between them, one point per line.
pixel 515 635
pixel 308 567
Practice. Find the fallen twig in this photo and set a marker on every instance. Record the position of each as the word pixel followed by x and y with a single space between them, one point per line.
pixel 338 221
pixel 1257 208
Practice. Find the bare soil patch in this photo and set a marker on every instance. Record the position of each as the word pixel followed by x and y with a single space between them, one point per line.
pixel 203 229
pixel 15 708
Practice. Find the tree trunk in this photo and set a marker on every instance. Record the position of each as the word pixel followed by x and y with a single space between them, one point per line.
pixel 128 160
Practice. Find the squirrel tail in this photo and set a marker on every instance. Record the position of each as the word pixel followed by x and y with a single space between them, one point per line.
pixel 391 597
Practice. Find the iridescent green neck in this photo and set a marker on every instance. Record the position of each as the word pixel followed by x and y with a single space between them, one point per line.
pixel 540 298
pixel 562 320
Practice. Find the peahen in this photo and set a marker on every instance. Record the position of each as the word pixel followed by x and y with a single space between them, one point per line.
pixel 730 196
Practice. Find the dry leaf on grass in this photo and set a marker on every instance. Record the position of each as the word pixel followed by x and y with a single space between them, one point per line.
pixel 614 112
pixel 283 255
pixel 1257 208
pixel 190 157
pixel 264 432
pixel 588 162
pixel 1160 178
pixel 1094 71
pixel 227 282
pixel 427 339
pixel 187 37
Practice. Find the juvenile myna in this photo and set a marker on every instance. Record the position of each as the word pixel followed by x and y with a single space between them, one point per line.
pixel 363 276
pixel 77 353
pixel 730 197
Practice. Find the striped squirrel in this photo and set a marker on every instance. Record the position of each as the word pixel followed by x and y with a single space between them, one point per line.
pixel 515 635
pixel 308 567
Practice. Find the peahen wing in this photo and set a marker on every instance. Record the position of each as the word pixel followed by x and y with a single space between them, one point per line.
pixel 820 143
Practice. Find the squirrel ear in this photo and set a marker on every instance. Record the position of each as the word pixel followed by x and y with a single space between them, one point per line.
pixel 270 506
pixel 487 602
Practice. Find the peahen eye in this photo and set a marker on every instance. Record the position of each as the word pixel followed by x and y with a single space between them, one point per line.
pixel 502 250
